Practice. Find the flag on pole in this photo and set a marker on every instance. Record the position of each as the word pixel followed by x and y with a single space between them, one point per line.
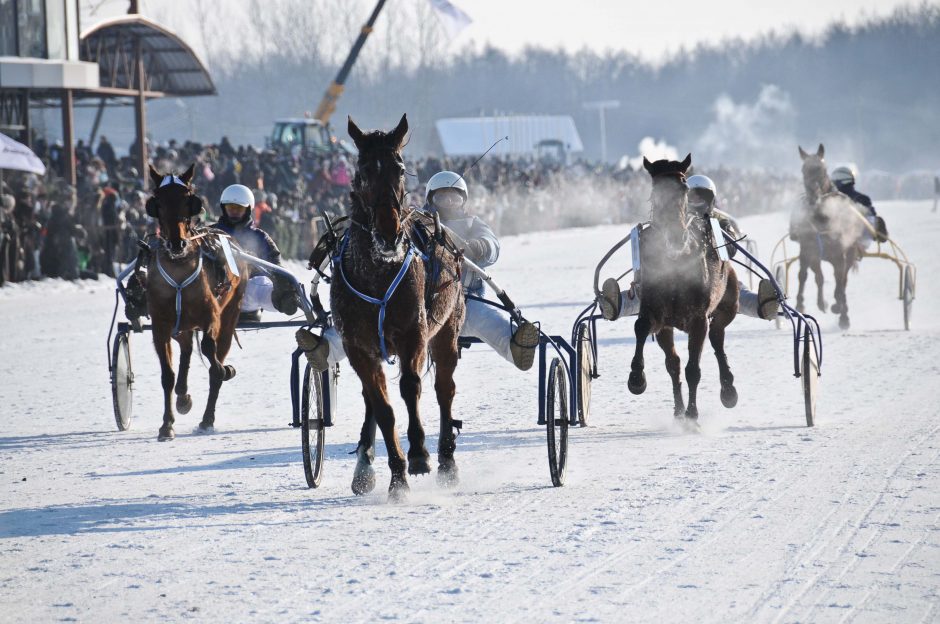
pixel 452 18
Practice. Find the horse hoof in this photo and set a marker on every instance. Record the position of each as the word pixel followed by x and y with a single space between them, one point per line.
pixel 836 308
pixel 636 383
pixel 419 465
pixel 822 305
pixel 363 482
pixel 690 425
pixel 447 474
pixel 166 433
pixel 729 396
pixel 691 413
pixel 184 403
pixel 229 372
pixel 398 490
pixel 206 427
pixel 844 323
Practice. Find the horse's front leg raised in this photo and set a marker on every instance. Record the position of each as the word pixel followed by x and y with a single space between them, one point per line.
pixel 666 340
pixel 165 355
pixel 636 382
pixel 444 354
pixel 215 346
pixel 698 329
pixel 184 402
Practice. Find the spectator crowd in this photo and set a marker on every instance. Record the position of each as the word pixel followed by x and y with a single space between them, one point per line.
pixel 50 229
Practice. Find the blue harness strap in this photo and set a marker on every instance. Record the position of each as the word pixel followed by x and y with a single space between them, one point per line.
pixel 382 303
pixel 179 289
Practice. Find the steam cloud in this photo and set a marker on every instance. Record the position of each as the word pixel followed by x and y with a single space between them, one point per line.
pixel 749 135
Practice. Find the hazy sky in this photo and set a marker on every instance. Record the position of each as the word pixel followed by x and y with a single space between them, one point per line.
pixel 649 29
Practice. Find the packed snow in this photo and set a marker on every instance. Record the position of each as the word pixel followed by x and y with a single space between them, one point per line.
pixel 756 518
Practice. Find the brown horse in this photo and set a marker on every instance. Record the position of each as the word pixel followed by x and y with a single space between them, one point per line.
pixel 827 227
pixel 183 296
pixel 683 285
pixel 376 252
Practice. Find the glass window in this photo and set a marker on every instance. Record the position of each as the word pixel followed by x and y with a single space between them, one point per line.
pixel 7 27
pixel 31 28
pixel 55 28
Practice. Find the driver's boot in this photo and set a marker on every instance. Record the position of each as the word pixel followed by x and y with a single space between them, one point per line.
pixel 522 345
pixel 315 348
pixel 767 302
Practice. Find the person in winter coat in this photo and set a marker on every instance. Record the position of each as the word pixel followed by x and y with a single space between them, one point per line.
pixel 844 179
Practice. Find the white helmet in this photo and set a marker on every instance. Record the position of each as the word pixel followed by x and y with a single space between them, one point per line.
pixel 238 194
pixel 445 179
pixel 844 175
pixel 704 186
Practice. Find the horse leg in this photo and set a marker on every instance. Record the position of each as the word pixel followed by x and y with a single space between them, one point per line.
pixel 373 386
pixel 412 361
pixel 820 295
pixel 364 476
pixel 841 269
pixel 666 340
pixel 184 402
pixel 698 329
pixel 215 346
pixel 165 355
pixel 716 335
pixel 444 354
pixel 636 382
pixel 804 269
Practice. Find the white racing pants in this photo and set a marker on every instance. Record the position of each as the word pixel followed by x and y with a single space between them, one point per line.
pixel 747 303
pixel 483 321
pixel 258 294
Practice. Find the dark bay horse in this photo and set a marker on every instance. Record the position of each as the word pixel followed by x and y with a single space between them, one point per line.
pixel 827 227
pixel 184 296
pixel 683 285
pixel 379 320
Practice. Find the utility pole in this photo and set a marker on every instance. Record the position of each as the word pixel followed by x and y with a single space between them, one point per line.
pixel 602 106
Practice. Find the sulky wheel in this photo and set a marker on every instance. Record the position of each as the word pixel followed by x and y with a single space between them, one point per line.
pixel 809 374
pixel 312 426
pixel 122 381
pixel 556 422
pixel 907 295
pixel 585 372
pixel 780 276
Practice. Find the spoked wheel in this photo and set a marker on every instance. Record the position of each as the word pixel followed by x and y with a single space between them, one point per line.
pixel 585 353
pixel 556 416
pixel 122 382
pixel 313 426
pixel 780 276
pixel 907 295
pixel 809 375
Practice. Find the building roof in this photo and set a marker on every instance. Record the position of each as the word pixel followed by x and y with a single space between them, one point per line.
pixel 171 67
pixel 472 136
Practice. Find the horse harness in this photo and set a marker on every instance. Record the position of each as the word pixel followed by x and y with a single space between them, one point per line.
pixel 331 242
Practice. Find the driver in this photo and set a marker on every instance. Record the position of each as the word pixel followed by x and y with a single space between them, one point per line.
pixel 263 292
pixel 703 202
pixel 447 195
pixel 844 179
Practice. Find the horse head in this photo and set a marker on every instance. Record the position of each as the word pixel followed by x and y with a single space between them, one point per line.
pixel 670 201
pixel 379 186
pixel 173 204
pixel 815 178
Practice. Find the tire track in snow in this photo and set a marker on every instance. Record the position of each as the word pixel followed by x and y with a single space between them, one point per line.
pixel 856 527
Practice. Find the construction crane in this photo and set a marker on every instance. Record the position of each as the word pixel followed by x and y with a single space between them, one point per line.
pixel 313 132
